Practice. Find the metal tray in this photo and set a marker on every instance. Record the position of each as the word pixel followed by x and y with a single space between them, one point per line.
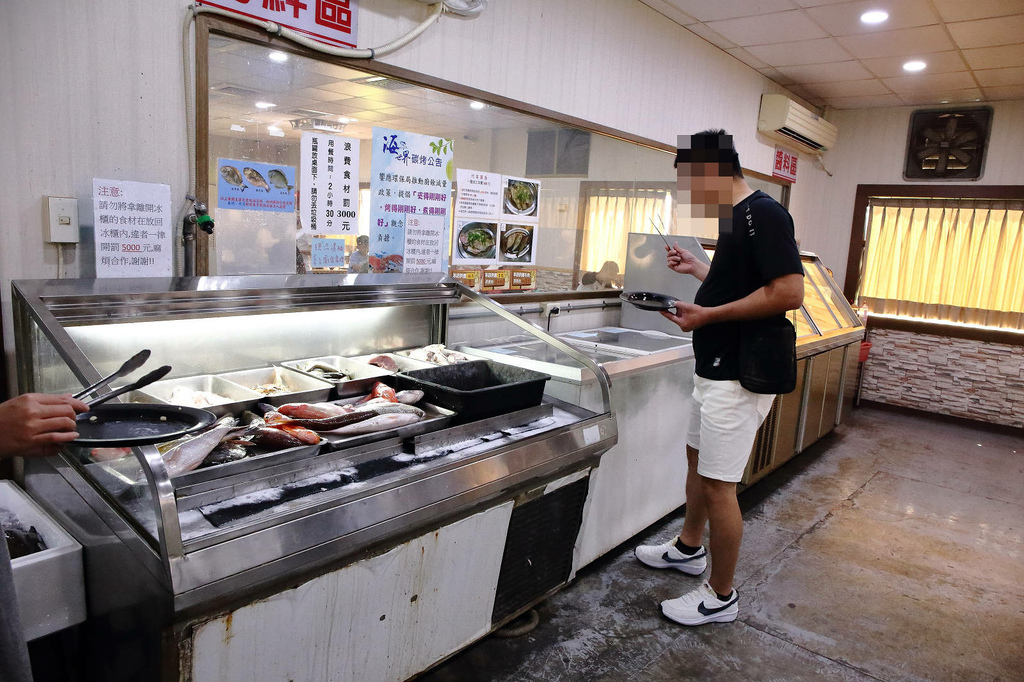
pixel 404 364
pixel 435 418
pixel 302 388
pixel 239 398
pixel 190 483
pixel 364 376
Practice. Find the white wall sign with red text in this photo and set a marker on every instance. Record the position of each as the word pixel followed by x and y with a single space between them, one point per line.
pixel 785 165
pixel 329 21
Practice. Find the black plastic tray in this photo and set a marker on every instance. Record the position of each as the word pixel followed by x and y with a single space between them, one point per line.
pixel 476 389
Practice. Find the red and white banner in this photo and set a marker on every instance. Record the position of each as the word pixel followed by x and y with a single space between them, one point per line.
pixel 785 165
pixel 329 21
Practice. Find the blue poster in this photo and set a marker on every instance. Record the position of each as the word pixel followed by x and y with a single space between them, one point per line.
pixel 410 177
pixel 250 186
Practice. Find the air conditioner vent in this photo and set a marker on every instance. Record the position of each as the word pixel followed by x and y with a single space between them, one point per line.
pixel 802 139
pixel 237 91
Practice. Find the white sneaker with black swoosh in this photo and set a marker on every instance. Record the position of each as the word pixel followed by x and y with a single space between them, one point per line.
pixel 667 555
pixel 702 606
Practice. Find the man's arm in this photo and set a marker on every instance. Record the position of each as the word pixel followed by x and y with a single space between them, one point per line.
pixel 37 424
pixel 685 263
pixel 781 294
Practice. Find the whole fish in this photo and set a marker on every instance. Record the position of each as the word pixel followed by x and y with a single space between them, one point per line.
pixel 331 423
pixel 227 451
pixel 232 176
pixel 253 177
pixel 409 397
pixel 278 180
pixel 274 439
pixel 384 407
pixel 190 454
pixel 312 410
pixel 383 422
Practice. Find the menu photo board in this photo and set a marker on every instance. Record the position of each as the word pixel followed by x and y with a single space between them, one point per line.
pixel 251 186
pixel 495 281
pixel 495 219
pixel 410 192
pixel 468 277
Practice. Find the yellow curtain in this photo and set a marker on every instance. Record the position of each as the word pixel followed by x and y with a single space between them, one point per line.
pixel 960 260
pixel 611 215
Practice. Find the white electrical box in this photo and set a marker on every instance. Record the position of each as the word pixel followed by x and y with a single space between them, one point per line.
pixel 60 220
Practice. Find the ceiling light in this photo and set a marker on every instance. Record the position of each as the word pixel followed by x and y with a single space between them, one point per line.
pixel 265 105
pixel 477 105
pixel 978 99
pixel 278 56
pixel 914 66
pixel 376 79
pixel 945 101
pixel 275 131
pixel 237 128
pixel 875 16
pixel 346 119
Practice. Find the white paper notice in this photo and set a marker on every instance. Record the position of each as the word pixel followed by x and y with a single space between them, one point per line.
pixel 426 243
pixel 133 228
pixel 479 194
pixel 329 184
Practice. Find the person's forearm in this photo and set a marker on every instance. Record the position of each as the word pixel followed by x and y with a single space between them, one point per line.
pixel 700 271
pixel 779 296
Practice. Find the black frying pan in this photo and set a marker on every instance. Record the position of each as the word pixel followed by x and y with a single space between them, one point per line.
pixel 117 426
pixel 648 300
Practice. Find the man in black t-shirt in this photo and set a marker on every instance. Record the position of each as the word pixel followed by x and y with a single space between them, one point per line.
pixel 756 275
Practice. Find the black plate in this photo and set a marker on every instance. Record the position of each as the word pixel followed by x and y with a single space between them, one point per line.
pixel 118 426
pixel 647 300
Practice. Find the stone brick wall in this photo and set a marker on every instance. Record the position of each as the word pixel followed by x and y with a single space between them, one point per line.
pixel 959 377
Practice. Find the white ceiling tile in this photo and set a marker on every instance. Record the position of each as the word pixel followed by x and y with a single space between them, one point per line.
pixel 777 76
pixel 990 78
pixel 995 57
pixel 844 19
pixel 862 88
pixel 868 102
pixel 961 10
pixel 988 32
pixel 666 8
pixel 319 95
pixel 780 27
pixel 729 9
pixel 819 73
pixel 930 83
pixel 801 52
pixel 711 36
pixel 746 57
pixel 937 62
pixel 907 41
pixel 937 98
pixel 816 3
pixel 1005 92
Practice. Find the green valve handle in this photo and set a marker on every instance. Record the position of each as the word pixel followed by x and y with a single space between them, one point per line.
pixel 205 222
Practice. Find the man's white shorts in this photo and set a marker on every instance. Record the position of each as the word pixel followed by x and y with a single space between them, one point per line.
pixel 724 421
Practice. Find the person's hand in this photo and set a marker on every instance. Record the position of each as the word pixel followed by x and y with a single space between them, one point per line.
pixel 687 316
pixel 37 424
pixel 680 260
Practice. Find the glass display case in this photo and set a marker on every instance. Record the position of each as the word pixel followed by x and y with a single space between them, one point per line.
pixel 231 528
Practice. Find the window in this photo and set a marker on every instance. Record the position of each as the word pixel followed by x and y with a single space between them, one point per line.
pixel 957 260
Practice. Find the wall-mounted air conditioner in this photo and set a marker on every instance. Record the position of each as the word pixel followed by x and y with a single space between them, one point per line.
pixel 784 120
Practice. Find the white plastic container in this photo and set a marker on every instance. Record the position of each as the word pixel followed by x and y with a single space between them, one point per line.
pixel 50 584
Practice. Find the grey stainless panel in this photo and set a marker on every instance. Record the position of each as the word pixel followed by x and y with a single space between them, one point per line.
pixel 833 387
pixel 612 338
pixel 298 386
pixel 646 271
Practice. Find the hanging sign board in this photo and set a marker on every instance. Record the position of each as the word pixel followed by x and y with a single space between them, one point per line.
pixel 785 165
pixel 133 228
pixel 468 277
pixel 495 281
pixel 329 192
pixel 251 186
pixel 329 21
pixel 410 176
pixel 523 279
pixel 495 219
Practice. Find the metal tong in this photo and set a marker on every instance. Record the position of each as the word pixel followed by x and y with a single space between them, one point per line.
pixel 155 375
pixel 130 365
pixel 663 237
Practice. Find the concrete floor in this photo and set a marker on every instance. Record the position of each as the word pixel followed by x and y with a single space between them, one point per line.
pixel 891 550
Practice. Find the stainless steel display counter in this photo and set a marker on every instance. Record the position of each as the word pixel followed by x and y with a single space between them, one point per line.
pixel 163 554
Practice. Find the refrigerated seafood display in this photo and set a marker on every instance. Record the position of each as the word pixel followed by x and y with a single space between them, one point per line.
pixel 327 449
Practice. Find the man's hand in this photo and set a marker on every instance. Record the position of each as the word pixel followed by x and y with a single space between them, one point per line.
pixel 687 316
pixel 685 263
pixel 37 424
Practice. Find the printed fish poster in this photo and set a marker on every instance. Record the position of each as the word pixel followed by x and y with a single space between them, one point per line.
pixel 410 176
pixel 251 186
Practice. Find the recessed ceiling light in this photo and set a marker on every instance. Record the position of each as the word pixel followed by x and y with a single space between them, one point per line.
pixel 278 56
pixel 376 79
pixel 275 131
pixel 265 105
pixel 237 128
pixel 914 66
pixel 875 16
pixel 477 105
pixel 346 119
pixel 978 99
pixel 945 101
